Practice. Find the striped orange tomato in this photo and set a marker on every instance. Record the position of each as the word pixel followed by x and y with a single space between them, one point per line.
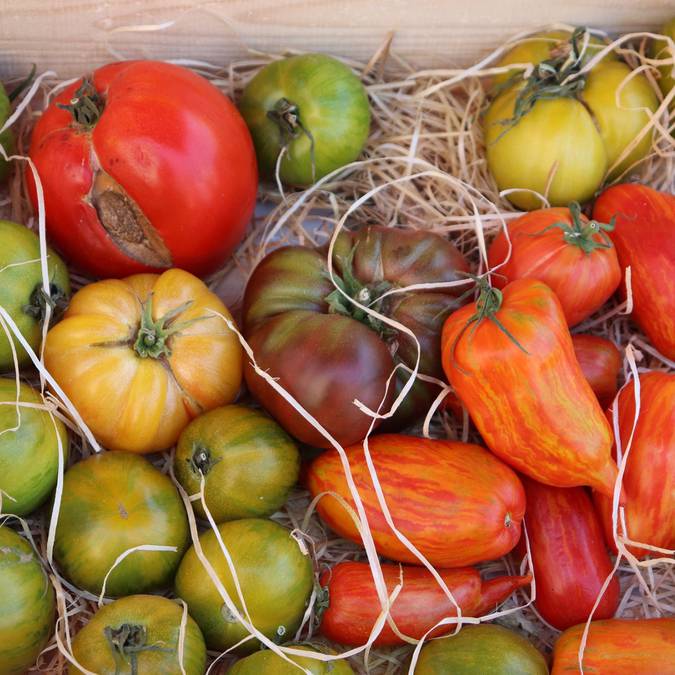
pixel 649 480
pixel 511 361
pixel 600 362
pixel 618 647
pixel 353 605
pixel 644 237
pixel 562 248
pixel 457 503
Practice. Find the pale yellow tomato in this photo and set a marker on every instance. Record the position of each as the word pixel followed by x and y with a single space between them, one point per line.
pixel 659 50
pixel 140 357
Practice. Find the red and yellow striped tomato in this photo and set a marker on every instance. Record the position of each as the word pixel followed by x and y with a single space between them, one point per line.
pixel 644 237
pixel 353 605
pixel 600 362
pixel 618 647
pixel 473 517
pixel 516 373
pixel 140 357
pixel 649 480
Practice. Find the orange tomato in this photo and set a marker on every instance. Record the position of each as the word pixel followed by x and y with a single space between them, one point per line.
pixel 140 357
pixel 600 362
pixel 511 361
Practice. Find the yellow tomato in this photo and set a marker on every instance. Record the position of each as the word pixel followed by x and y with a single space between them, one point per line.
pixel 659 50
pixel 571 139
pixel 140 357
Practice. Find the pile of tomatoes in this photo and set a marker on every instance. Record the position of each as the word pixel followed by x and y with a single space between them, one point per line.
pixel 147 179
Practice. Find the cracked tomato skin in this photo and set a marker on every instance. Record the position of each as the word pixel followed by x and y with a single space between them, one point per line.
pixel 175 144
pixel 142 404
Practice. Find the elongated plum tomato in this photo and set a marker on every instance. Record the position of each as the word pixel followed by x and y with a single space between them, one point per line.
pixel 139 634
pixel 327 352
pixel 618 647
pixel 266 662
pixel 569 557
pixel 26 604
pixel 354 607
pixel 644 237
pixel 275 576
pixel 649 480
pixel 29 448
pixel 600 362
pixel 113 502
pixel 510 359
pixel 248 462
pixel 561 247
pixel 144 166
pixel 23 294
pixel 140 357
pixel 477 650
pixel 562 139
pixel 314 109
pixel 474 517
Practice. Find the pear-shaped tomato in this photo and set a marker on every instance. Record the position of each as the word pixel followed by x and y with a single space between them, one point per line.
pixel 26 604
pixel 139 634
pixel 562 248
pixel 140 357
pixel 561 132
pixel 29 449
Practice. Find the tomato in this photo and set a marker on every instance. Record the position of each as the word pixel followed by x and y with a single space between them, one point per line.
pixel 248 462
pixel 7 139
pixel 311 107
pixel 142 356
pixel 145 165
pixel 29 449
pixel 474 517
pixel 569 556
pixel 510 359
pixel 477 650
pixel 139 634
pixel 276 581
pixel 649 480
pixel 600 362
pixel 26 604
pixel 560 247
pixel 619 647
pixel 561 133
pixel 327 352
pixel 267 662
pixel 113 502
pixel 644 237
pixel 658 49
pixel 23 296
pixel 354 607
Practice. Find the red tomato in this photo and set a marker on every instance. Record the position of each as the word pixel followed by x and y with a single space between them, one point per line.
pixel 649 480
pixel 560 247
pixel 600 362
pixel 644 237
pixel 569 556
pixel 353 605
pixel 158 172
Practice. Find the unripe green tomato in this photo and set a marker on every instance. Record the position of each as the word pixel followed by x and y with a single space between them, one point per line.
pixel 266 662
pixel 659 50
pixel 565 146
pixel 312 105
pixel 7 136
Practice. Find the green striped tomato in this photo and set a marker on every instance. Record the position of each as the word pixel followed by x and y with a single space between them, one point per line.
pixel 145 630
pixel 275 575
pixel 26 604
pixel 248 461
pixel 29 449
pixel 266 662
pixel 114 501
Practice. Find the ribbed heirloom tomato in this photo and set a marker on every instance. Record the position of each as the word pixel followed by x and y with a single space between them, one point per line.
pixel 144 165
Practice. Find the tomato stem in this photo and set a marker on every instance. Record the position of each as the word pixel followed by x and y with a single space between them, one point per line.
pixel 201 461
pixel 126 642
pixel 286 115
pixel 26 82
pixel 39 300
pixel 86 106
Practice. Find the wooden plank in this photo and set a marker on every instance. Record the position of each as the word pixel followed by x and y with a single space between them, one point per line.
pixel 75 35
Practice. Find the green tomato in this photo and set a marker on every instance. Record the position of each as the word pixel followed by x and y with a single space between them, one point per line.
pixel 29 449
pixel 22 293
pixel 567 143
pixel 248 461
pixel 276 581
pixel 145 631
pixel 659 50
pixel 112 502
pixel 26 604
pixel 315 107
pixel 266 662
pixel 7 136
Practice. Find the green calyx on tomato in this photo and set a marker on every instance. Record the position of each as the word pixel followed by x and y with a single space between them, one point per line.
pixel 127 641
pixel 86 105
pixel 36 307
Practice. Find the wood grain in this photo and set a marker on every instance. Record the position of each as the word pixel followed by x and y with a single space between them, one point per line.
pixel 70 36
